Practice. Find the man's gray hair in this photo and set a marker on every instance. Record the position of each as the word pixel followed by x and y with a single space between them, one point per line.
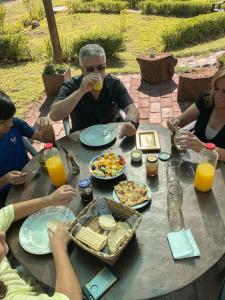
pixel 91 50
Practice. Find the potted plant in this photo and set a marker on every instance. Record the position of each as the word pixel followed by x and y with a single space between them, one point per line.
pixel 53 77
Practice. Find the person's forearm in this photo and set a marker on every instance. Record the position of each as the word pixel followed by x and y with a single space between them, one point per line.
pixel 221 153
pixel 25 208
pixel 189 115
pixel 62 109
pixel 132 113
pixel 66 279
pixel 3 181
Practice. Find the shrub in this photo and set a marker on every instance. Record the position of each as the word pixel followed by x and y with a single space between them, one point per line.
pixel 111 41
pixel 14 48
pixel 54 69
pixel 35 9
pixel 111 6
pixel 65 49
pixel 194 31
pixel 176 8
pixel 2 17
pixel 12 28
pixel 82 7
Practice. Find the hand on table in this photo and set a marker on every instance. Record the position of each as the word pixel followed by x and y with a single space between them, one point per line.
pixel 128 129
pixel 15 177
pixel 62 195
pixel 190 141
pixel 173 124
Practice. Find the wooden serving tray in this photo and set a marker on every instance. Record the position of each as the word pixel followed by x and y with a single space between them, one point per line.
pixel 147 140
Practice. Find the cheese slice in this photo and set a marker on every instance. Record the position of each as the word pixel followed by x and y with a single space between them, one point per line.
pixel 107 222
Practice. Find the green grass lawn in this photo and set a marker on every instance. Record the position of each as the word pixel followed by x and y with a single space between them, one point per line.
pixel 23 82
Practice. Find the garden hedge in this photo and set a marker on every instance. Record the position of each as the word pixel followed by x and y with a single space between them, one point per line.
pixel 176 8
pixel 103 6
pixel 194 30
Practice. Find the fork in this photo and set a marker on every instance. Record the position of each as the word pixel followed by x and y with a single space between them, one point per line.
pixel 108 131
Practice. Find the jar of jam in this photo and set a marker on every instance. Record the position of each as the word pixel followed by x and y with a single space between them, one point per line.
pixel 136 156
pixel 152 164
pixel 85 190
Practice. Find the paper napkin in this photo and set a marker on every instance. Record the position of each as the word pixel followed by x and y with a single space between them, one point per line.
pixel 182 244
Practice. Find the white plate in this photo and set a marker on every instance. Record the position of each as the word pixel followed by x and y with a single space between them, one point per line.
pixel 33 235
pixel 149 193
pixel 106 178
pixel 94 135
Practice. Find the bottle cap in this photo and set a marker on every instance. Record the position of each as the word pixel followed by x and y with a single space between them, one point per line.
pixel 164 156
pixel 152 158
pixel 210 146
pixel 84 183
pixel 48 146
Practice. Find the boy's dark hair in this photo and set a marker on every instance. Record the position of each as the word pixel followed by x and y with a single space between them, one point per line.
pixel 7 107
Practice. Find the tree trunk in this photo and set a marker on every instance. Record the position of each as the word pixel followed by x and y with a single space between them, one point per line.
pixel 157 69
pixel 53 31
pixel 193 84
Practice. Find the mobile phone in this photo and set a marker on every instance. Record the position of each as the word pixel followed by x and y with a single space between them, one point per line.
pixel 94 289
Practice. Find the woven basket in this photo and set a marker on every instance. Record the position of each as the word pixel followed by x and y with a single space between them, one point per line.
pixel 119 211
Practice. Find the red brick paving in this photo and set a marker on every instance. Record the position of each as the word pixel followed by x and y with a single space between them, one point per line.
pixel 155 102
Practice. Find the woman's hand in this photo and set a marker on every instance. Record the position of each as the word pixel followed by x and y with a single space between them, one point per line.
pixel 173 124
pixel 15 177
pixel 60 238
pixel 190 141
pixel 62 195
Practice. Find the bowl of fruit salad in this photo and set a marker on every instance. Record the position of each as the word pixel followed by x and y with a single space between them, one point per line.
pixel 108 165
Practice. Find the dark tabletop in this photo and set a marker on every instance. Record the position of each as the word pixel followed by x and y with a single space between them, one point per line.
pixel 146 267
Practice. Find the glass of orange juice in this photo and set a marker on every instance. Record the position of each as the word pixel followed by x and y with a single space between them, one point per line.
pixel 98 84
pixel 56 171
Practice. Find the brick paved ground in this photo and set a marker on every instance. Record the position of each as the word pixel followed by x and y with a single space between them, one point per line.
pixel 155 102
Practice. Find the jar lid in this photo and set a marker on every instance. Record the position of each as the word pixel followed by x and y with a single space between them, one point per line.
pixel 210 146
pixel 164 156
pixel 152 158
pixel 48 146
pixel 84 183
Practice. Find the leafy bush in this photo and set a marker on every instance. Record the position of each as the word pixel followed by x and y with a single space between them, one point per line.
pixel 14 48
pixel 12 28
pixel 64 46
pixel 2 17
pixel 35 9
pixel 111 41
pixel 103 6
pixel 54 69
pixel 194 30
pixel 176 8
pixel 111 6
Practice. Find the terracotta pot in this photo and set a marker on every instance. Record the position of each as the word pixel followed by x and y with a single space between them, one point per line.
pixel 53 83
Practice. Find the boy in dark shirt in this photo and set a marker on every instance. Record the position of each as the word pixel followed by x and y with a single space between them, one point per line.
pixel 13 155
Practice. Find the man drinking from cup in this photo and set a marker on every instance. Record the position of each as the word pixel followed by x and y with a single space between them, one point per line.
pixel 94 97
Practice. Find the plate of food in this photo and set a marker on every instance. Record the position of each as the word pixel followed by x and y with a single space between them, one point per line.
pixel 33 235
pixel 133 194
pixel 108 165
pixel 97 135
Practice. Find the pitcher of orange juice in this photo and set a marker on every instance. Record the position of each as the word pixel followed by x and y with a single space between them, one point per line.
pixel 54 165
pixel 205 171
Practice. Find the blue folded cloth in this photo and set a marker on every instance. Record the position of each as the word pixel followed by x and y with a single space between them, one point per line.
pixel 182 244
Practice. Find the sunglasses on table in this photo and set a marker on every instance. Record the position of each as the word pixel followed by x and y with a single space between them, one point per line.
pixel 91 69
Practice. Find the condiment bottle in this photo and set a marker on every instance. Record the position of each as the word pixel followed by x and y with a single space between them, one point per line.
pixel 152 164
pixel 136 156
pixel 54 165
pixel 205 171
pixel 85 190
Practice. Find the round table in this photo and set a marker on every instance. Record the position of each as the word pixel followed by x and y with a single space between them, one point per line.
pixel 146 267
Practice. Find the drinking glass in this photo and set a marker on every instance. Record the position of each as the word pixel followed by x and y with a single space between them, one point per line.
pixel 178 136
pixel 174 197
pixel 173 170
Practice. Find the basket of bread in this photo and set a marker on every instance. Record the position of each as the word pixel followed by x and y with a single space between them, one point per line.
pixel 104 228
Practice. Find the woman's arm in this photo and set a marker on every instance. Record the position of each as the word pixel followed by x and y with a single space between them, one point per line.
pixel 66 280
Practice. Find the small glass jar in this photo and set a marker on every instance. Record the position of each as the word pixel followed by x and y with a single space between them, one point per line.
pixel 152 164
pixel 136 156
pixel 85 190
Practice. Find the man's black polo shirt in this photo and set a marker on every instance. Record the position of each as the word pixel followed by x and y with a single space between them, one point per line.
pixel 89 111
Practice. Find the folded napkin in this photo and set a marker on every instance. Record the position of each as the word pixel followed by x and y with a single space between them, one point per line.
pixel 182 244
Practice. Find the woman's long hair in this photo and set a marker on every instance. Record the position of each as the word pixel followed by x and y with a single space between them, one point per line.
pixel 3 290
pixel 219 74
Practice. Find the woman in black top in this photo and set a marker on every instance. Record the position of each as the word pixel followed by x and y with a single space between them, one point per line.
pixel 209 114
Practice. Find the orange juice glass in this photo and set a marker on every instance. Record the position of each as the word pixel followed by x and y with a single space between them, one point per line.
pixel 204 177
pixel 56 171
